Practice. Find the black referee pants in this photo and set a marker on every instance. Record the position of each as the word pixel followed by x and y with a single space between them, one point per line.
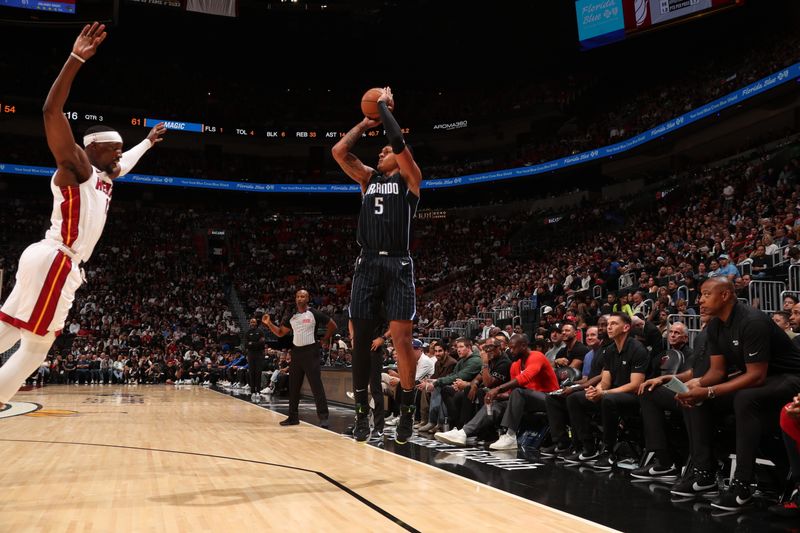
pixel 305 363
pixel 756 409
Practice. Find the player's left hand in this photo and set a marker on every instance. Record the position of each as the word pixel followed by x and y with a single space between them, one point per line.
pixel 387 97
pixel 370 123
pixel 89 39
pixel 156 134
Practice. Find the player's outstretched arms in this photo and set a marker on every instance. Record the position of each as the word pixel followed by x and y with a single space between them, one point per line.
pixel 73 165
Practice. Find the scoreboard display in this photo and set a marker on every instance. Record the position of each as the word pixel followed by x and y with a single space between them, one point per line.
pixel 59 13
pixel 603 22
pixel 53 6
pixel 10 109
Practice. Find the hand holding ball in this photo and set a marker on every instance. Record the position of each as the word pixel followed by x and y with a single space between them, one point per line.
pixel 369 103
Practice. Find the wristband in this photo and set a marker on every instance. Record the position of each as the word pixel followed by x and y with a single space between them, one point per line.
pixel 392 129
pixel 711 393
pixel 76 56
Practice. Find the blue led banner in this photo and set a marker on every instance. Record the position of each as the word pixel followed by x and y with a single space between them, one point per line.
pixel 762 85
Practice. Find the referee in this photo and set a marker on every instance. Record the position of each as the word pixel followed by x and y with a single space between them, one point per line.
pixel 383 282
pixel 305 355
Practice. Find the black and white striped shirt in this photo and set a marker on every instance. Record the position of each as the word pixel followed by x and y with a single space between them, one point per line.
pixel 304 326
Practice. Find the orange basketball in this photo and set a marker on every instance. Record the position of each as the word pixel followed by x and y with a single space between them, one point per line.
pixel 369 103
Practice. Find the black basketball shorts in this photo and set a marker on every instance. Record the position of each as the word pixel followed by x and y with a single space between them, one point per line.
pixel 383 287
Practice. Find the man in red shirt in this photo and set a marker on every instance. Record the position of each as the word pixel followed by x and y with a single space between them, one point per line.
pixel 790 424
pixel 531 378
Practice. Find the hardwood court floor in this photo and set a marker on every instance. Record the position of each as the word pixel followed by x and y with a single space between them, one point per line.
pixel 160 458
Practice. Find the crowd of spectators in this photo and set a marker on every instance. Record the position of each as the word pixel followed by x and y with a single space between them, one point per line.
pixel 629 108
pixel 148 302
pixel 728 210
pixel 743 205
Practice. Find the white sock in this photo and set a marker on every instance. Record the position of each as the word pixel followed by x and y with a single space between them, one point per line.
pixel 511 433
pixel 9 335
pixel 32 351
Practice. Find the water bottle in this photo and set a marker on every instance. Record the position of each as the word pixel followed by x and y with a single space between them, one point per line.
pixel 489 409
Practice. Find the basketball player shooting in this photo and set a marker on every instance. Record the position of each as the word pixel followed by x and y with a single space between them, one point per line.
pixel 383 282
pixel 49 271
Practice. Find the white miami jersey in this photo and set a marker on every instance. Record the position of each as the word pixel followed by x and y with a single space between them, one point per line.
pixel 79 213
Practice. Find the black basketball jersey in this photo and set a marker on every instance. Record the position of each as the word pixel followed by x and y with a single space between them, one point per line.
pixel 387 208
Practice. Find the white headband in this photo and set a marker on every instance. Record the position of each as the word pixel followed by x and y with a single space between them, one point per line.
pixel 102 137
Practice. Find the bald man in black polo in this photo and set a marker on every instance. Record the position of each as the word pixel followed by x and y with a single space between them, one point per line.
pixel 754 371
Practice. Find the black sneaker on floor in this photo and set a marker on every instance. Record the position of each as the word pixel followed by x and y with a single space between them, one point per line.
pixel 289 422
pixel 737 496
pixel 547 451
pixel 405 426
pixel 605 461
pixel 561 454
pixel 582 457
pixel 361 429
pixel 555 450
pixel 573 458
pixel 656 471
pixel 699 482
pixel 324 423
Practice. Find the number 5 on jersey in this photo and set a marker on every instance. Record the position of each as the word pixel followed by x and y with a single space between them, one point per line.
pixel 379 205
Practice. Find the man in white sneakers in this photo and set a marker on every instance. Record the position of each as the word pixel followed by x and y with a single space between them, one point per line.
pixel 530 376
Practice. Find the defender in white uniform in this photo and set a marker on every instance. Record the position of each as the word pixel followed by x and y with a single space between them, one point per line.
pixel 49 271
